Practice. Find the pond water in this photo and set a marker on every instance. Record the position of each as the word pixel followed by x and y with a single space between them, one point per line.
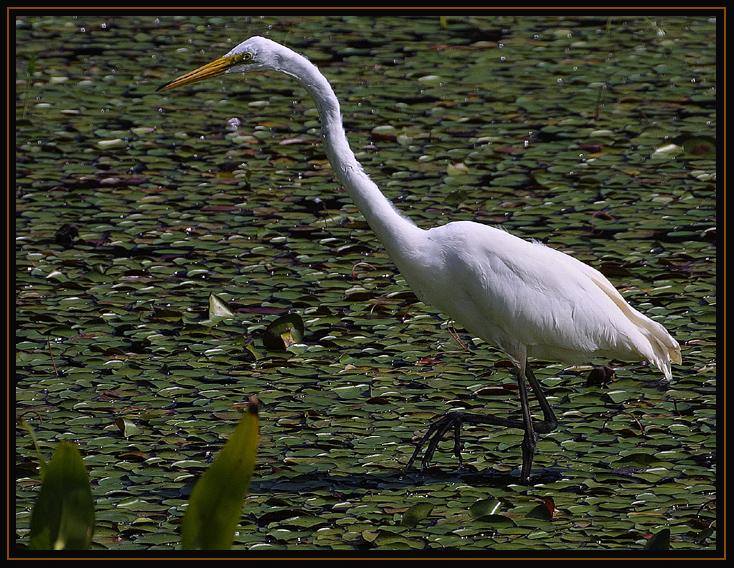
pixel 596 135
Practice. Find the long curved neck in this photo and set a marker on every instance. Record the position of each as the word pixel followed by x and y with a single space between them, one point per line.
pixel 389 225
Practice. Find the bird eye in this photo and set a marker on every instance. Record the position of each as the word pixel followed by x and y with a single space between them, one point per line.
pixel 236 58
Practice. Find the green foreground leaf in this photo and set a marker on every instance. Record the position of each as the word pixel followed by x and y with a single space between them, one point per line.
pixel 215 505
pixel 63 516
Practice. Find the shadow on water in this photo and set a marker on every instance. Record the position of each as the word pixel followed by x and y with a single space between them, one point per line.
pixel 398 480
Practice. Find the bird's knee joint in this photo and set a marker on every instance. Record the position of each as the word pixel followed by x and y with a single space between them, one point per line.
pixel 530 441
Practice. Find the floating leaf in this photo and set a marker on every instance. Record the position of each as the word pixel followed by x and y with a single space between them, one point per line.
pixel 544 511
pixel 484 507
pixel 668 150
pixel 284 332
pixel 698 146
pixel 497 521
pixel 619 396
pixel 215 505
pixel 63 515
pixel 638 458
pixel 251 351
pixel 218 308
pixel 126 427
pixel 416 514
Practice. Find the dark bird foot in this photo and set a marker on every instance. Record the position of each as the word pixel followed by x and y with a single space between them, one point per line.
pixel 454 420
pixel 435 434
pixel 449 421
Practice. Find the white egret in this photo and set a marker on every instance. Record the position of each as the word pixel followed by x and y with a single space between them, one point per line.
pixel 522 297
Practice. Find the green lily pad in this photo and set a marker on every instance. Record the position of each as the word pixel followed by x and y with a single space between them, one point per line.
pixel 416 514
pixel 284 332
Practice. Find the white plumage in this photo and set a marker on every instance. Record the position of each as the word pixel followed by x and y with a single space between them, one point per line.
pixel 531 300
pixel 524 298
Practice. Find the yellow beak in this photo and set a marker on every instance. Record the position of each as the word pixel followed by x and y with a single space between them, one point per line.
pixel 212 69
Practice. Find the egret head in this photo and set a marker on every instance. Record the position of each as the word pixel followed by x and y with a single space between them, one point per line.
pixel 254 53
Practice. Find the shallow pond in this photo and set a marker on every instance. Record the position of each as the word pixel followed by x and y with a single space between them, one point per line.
pixel 596 135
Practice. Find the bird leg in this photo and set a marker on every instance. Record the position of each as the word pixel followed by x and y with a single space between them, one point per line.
pixel 530 439
pixel 439 428
pixel 549 422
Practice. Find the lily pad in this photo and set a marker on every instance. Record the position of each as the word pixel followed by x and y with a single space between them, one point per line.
pixel 284 332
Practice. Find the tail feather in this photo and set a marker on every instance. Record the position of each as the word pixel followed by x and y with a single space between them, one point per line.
pixel 665 349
